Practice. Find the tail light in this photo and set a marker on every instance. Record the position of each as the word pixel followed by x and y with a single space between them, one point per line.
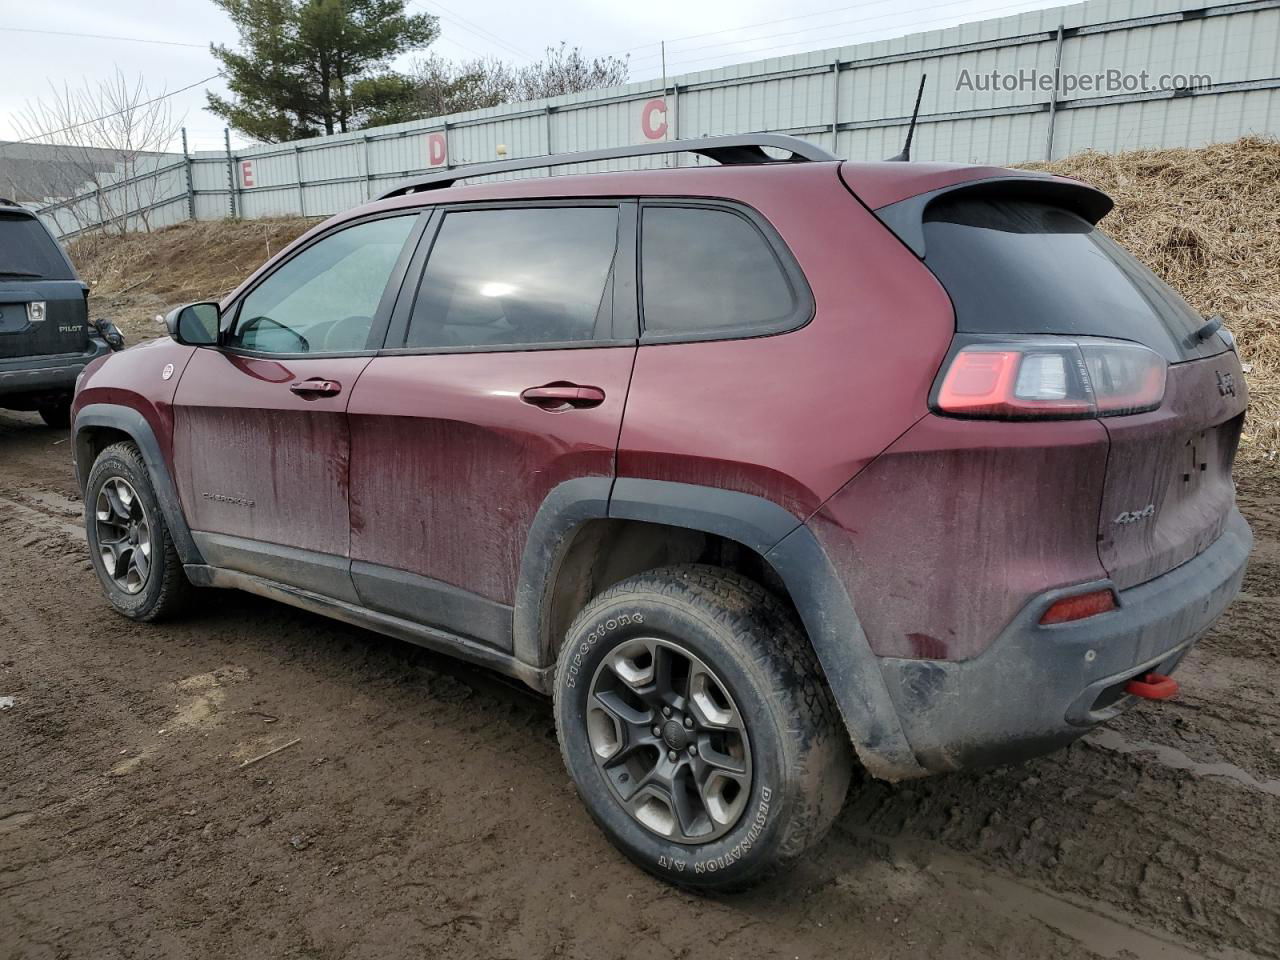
pixel 1051 377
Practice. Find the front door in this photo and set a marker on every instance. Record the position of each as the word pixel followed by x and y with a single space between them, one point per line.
pixel 507 375
pixel 262 449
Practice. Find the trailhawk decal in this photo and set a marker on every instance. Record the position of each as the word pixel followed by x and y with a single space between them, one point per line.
pixel 740 849
pixel 613 623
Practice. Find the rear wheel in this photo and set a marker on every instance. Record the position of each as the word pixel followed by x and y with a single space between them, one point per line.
pixel 129 543
pixel 56 414
pixel 697 727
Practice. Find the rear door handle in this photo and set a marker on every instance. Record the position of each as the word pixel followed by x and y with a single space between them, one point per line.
pixel 315 388
pixel 556 397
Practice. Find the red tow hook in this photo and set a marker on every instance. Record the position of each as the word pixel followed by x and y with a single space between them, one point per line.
pixel 1154 686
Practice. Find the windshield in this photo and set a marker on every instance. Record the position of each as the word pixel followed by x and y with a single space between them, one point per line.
pixel 28 252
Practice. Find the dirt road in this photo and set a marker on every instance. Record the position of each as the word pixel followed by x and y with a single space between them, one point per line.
pixel 424 811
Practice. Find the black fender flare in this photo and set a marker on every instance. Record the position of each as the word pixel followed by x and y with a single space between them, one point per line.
pixel 132 423
pixel 568 506
pixel 786 543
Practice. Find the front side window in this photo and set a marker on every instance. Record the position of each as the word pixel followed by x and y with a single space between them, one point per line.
pixel 517 277
pixel 710 271
pixel 324 299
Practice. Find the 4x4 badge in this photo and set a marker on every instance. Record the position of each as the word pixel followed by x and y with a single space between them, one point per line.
pixel 1133 516
pixel 1226 384
pixel 167 372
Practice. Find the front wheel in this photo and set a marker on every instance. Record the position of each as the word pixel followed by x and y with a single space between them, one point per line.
pixel 129 542
pixel 696 724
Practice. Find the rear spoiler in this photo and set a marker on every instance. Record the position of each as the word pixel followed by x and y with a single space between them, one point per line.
pixel 905 218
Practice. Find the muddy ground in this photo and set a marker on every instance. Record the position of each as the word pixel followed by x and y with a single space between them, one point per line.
pixel 424 811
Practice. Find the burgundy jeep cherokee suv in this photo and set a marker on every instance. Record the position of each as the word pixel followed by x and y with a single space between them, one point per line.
pixel 756 467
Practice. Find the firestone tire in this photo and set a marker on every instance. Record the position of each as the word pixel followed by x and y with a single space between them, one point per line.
pixel 764 675
pixel 133 526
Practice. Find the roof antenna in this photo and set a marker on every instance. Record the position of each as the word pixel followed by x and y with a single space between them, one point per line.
pixel 905 155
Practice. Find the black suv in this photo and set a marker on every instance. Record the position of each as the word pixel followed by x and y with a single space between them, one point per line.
pixel 46 338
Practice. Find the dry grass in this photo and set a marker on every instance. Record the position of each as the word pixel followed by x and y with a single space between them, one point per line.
pixel 136 276
pixel 1208 222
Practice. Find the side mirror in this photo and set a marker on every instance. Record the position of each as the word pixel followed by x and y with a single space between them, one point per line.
pixel 195 325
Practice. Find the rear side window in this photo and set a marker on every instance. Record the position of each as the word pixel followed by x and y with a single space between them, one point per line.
pixel 1015 266
pixel 517 277
pixel 27 250
pixel 711 272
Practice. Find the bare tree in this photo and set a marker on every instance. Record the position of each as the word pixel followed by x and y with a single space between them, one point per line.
pixel 566 70
pixel 436 87
pixel 100 144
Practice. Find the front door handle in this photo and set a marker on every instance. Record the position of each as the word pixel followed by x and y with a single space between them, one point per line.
pixel 315 388
pixel 557 397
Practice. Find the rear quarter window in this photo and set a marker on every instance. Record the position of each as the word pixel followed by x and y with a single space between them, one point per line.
pixel 709 272
pixel 28 251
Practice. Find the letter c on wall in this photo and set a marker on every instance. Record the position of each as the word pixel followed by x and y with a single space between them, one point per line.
pixel 648 126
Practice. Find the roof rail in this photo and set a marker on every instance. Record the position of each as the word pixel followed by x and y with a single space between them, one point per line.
pixel 6 202
pixel 746 148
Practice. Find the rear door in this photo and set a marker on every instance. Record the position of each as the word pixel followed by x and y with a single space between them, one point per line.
pixel 43 305
pixel 1016 265
pixel 505 374
pixel 262 449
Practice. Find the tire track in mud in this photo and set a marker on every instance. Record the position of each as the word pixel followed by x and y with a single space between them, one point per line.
pixel 405 785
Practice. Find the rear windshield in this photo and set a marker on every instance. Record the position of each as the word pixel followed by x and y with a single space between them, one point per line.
pixel 1013 266
pixel 28 252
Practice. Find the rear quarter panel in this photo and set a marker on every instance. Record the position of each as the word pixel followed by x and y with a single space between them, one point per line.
pixel 959 523
pixel 791 417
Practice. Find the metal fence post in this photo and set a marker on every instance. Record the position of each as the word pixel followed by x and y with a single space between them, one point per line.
pixel 233 187
pixel 673 125
pixel 297 171
pixel 1053 97
pixel 368 176
pixel 835 106
pixel 186 167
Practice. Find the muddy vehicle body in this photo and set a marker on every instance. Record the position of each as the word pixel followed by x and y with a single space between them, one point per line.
pixel 46 338
pixel 755 468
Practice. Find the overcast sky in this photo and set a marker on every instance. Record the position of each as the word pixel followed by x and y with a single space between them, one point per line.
pixel 699 35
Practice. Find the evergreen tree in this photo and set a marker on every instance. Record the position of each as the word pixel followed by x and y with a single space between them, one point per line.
pixel 301 60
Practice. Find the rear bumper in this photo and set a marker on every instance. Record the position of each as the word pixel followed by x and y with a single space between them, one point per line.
pixel 1038 688
pixel 41 375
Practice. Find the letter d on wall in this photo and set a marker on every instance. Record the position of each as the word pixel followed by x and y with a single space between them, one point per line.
pixel 437 150
pixel 653 119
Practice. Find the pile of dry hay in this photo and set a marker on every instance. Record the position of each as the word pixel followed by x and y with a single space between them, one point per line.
pixel 1208 222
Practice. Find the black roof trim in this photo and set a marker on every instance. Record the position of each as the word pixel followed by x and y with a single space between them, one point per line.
pixel 738 149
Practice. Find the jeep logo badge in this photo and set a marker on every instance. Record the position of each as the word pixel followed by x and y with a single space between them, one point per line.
pixel 1226 384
